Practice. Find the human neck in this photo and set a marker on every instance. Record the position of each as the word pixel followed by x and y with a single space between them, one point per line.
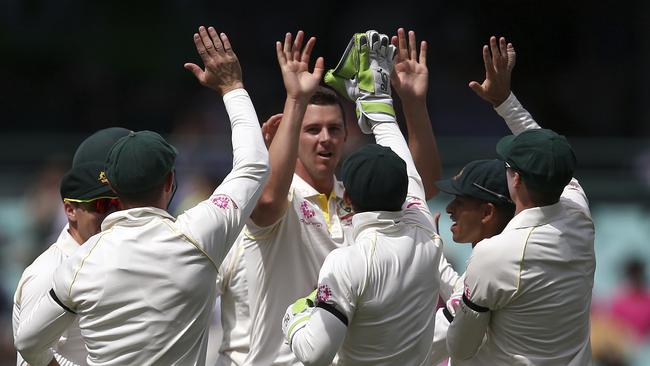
pixel 75 235
pixel 323 185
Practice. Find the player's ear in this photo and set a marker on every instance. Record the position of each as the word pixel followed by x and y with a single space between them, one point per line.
pixel 169 181
pixel 489 213
pixel 70 211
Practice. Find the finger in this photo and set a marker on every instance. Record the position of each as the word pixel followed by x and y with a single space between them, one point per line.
pixel 503 54
pixel 200 48
pixel 477 88
pixel 487 61
pixel 319 68
pixel 413 53
pixel 218 46
pixel 297 45
pixel 278 52
pixel 423 53
pixel 401 38
pixel 226 43
pixel 306 53
pixel 512 56
pixel 495 50
pixel 207 42
pixel 287 46
pixel 195 69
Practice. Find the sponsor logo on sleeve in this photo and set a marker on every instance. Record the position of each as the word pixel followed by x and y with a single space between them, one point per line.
pixel 324 293
pixel 223 201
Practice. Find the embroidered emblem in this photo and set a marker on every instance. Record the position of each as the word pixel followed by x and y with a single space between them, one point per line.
pixel 102 177
pixel 414 202
pixel 223 201
pixel 306 211
pixel 324 293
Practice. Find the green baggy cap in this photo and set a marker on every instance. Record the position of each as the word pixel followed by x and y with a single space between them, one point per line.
pixel 544 159
pixel 86 180
pixel 481 179
pixel 139 161
pixel 375 178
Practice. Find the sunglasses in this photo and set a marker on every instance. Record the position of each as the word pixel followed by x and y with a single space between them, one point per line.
pixel 101 205
pixel 498 195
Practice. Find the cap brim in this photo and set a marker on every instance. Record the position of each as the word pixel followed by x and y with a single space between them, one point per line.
pixel 447 186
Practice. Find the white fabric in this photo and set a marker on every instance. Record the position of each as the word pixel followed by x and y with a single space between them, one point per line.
pixel 36 281
pixel 235 316
pixel 145 286
pixel 312 347
pixel 282 264
pixel 536 278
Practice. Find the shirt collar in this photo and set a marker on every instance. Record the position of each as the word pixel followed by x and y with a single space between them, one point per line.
pixel 307 191
pixel 134 217
pixel 374 220
pixel 66 242
pixel 535 216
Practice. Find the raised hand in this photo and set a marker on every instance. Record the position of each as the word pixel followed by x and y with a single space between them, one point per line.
pixel 294 64
pixel 222 70
pixel 410 77
pixel 270 127
pixel 499 61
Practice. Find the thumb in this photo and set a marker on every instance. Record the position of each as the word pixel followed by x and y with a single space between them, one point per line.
pixel 195 69
pixel 477 88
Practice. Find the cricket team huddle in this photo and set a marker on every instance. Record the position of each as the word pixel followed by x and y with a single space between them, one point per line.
pixel 310 269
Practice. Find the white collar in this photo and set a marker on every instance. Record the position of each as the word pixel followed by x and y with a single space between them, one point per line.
pixel 306 190
pixel 134 217
pixel 535 216
pixel 375 220
pixel 66 242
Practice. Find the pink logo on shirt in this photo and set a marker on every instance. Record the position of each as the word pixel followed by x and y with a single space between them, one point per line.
pixel 223 201
pixel 414 202
pixel 324 293
pixel 306 211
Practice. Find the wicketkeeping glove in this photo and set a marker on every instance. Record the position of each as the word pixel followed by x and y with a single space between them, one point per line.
pixel 297 316
pixel 363 76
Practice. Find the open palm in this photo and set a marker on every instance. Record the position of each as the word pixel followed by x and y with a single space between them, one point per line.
pixel 410 76
pixel 294 64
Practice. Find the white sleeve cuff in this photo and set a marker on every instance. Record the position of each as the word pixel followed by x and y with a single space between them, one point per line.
pixel 516 116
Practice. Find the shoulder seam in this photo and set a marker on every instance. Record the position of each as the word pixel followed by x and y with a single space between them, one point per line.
pixel 191 241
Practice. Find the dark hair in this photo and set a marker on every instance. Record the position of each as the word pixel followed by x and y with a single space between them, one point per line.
pixel 145 198
pixel 327 96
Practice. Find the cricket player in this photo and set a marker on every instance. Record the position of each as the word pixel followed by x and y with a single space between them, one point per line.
pixel 301 215
pixel 87 200
pixel 370 297
pixel 481 209
pixel 143 289
pixel 529 288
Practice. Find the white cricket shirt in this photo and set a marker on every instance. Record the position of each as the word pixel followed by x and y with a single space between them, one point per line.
pixel 36 281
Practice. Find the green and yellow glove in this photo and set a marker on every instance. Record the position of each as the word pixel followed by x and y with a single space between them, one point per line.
pixel 363 76
pixel 297 315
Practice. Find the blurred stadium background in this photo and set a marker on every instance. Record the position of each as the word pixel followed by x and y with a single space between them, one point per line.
pixel 68 68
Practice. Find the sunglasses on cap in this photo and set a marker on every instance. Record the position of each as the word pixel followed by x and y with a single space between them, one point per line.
pixel 100 205
pixel 497 195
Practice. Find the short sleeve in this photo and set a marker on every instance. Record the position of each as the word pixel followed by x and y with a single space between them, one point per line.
pixel 63 280
pixel 490 279
pixel 338 284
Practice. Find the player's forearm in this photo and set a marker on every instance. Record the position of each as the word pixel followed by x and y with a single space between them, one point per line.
pixel 516 116
pixel 449 279
pixel 388 134
pixel 41 329
pixel 422 144
pixel 250 157
pixel 466 332
pixel 319 340
pixel 283 153
pixel 439 347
